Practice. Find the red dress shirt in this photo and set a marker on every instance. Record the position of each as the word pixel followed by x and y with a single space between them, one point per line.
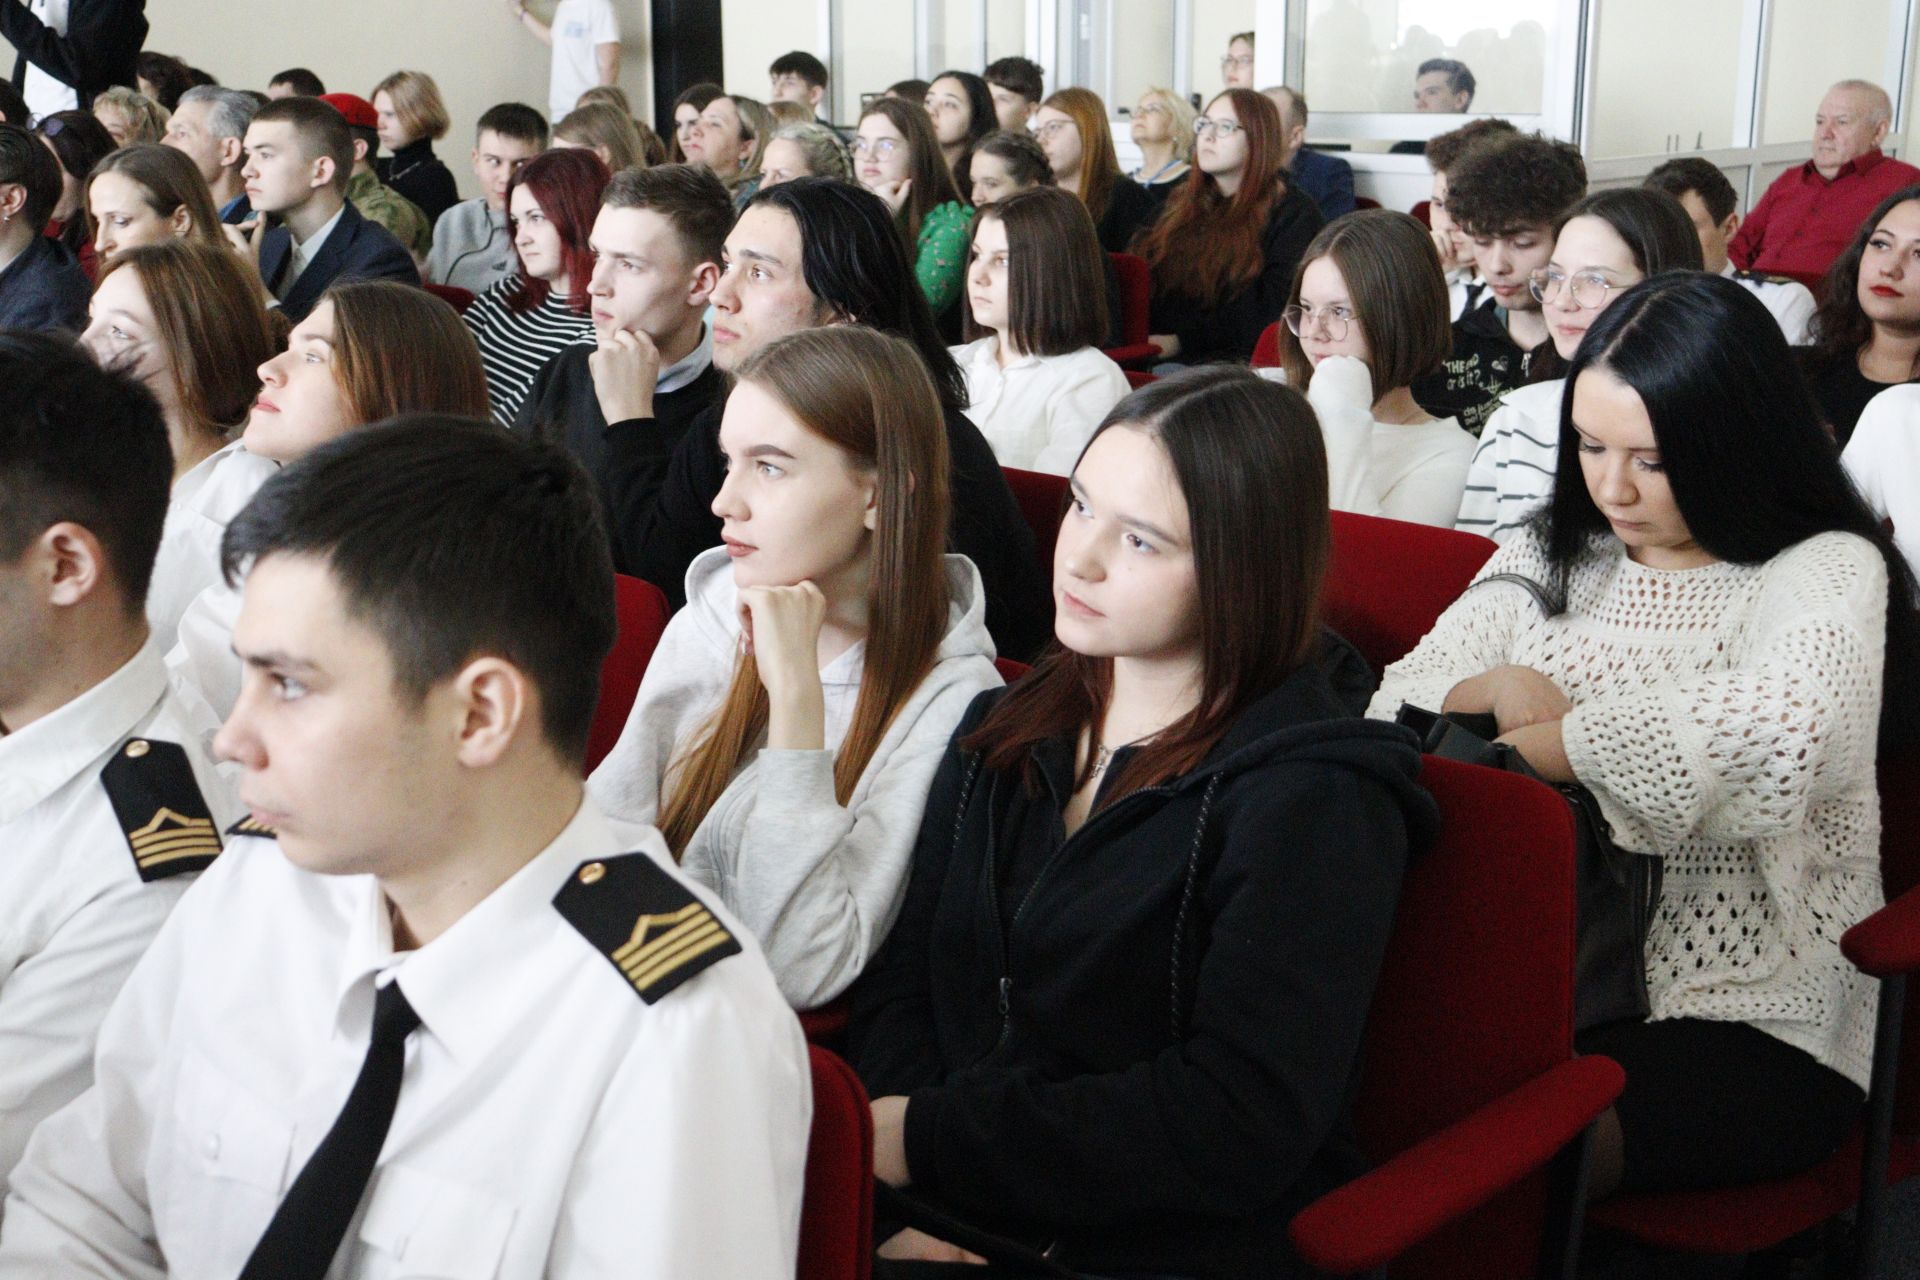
pixel 1805 221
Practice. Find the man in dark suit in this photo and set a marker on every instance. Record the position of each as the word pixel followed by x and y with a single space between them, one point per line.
pixel 95 49
pixel 299 159
pixel 1328 179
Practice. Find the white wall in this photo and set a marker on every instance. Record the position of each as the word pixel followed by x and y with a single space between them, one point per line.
pixel 1650 87
pixel 1812 47
pixel 474 49
pixel 753 35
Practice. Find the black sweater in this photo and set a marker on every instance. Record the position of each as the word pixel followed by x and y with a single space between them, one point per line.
pixel 662 488
pixel 1228 329
pixel 416 173
pixel 1486 364
pixel 1129 211
pixel 1050 1097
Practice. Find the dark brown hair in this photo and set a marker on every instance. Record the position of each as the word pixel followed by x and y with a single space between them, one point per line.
pixel 1056 273
pixel 926 167
pixel 695 96
pixel 1840 328
pixel 168 181
pixel 1444 150
pixel 1249 459
pixel 398 349
pixel 686 195
pixel 1503 184
pixel 1398 292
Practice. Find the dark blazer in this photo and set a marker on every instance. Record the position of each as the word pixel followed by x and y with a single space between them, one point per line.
pixel 1328 179
pixel 241 210
pixel 357 250
pixel 103 39
pixel 44 288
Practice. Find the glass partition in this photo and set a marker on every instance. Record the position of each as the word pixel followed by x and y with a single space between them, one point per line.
pixel 1364 55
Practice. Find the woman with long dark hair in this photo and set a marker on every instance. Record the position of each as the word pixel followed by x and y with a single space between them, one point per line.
pixel 1718 641
pixel 686 121
pixel 896 157
pixel 1224 252
pixel 960 105
pixel 796 709
pixel 1118 1017
pixel 79 142
pixel 1866 333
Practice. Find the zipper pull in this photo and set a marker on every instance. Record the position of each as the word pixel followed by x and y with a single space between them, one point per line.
pixel 1006 991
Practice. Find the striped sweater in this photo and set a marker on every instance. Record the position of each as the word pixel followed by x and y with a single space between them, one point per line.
pixel 1512 470
pixel 514 347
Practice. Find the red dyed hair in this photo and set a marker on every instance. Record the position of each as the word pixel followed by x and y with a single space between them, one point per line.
pixel 567 183
pixel 1206 247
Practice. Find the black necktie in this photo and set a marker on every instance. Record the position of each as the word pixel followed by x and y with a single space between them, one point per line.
pixel 306 1231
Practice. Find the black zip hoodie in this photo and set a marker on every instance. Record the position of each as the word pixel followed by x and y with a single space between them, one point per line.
pixel 1137 1045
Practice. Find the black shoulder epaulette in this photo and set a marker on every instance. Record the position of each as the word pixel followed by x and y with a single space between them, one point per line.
pixel 166 820
pixel 252 826
pixel 647 924
pixel 1762 277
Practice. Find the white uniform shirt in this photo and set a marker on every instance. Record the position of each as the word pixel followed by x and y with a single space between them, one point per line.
pixel 1790 301
pixel 43 93
pixel 74 913
pixel 551 1123
pixel 1883 460
pixel 204 502
pixel 579 28
pixel 1039 411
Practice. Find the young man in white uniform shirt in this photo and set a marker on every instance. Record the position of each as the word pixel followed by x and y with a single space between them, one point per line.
pixel 1710 201
pixel 595 1076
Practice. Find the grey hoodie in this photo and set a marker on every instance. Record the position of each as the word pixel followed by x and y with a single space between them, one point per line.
pixel 818 884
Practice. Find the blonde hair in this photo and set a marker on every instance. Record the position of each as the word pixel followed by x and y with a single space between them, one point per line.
pixel 146 119
pixel 601 124
pixel 417 103
pixel 1180 118
pixel 757 122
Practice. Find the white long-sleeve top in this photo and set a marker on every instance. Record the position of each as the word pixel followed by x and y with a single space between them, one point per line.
pixel 819 883
pixel 1039 411
pixel 1883 460
pixel 1726 718
pixel 1511 474
pixel 1404 471
pixel 203 503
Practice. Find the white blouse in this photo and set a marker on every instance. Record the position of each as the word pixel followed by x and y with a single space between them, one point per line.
pixel 1039 411
pixel 1404 471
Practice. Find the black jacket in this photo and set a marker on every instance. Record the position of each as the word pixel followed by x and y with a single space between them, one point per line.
pixel 1130 210
pixel 44 288
pixel 103 38
pixel 1140 1042
pixel 416 173
pixel 660 536
pixel 357 249
pixel 1486 364
pixel 1228 329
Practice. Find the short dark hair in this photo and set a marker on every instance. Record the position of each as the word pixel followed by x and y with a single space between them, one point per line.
pixel 1023 76
pixel 514 120
pixel 83 444
pixel 855 264
pixel 13 107
pixel 321 129
pixel 453 539
pixel 1025 158
pixel 1445 150
pixel 303 82
pixel 914 90
pixel 1528 180
pixel 169 76
pixel 803 64
pixel 25 161
pixel 686 195
pixel 1459 79
pixel 1703 178
pixel 1056 272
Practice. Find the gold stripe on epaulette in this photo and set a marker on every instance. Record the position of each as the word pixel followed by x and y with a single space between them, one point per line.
pixel 204 849
pixel 671 949
pixel 251 826
pixel 168 830
pixel 638 938
pixel 177 848
pixel 670 966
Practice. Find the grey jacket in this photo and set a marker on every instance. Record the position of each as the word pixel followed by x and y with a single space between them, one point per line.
pixel 472 248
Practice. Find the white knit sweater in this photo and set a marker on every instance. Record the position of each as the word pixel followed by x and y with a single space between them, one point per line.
pixel 1726 718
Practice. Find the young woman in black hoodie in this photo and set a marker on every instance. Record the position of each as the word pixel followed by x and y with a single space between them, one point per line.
pixel 1118 1017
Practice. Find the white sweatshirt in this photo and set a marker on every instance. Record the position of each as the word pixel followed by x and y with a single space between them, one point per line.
pixel 1512 470
pixel 1038 412
pixel 1726 719
pixel 818 884
pixel 1404 471
pixel 1883 459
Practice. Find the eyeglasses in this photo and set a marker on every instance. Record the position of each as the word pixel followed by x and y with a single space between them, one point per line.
pixel 1589 288
pixel 1232 60
pixel 1225 128
pixel 1331 321
pixel 881 148
pixel 1149 109
pixel 1051 127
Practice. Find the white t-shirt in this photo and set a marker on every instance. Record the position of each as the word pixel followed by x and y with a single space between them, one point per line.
pixel 1883 460
pixel 1403 471
pixel 1038 412
pixel 43 93
pixel 1790 301
pixel 579 26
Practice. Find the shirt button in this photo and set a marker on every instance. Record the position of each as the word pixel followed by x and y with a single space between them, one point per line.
pixel 212 1146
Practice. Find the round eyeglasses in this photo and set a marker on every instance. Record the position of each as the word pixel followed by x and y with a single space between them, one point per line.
pixel 1332 323
pixel 1589 288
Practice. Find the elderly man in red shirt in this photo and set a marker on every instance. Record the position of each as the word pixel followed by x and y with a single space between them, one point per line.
pixel 1811 213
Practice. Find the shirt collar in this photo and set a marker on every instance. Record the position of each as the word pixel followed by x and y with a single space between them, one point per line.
pixel 460 983
pixel 688 367
pixel 309 247
pixel 1863 163
pixel 53 750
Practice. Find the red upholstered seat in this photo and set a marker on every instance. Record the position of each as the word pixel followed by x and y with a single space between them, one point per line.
pixel 1470 1095
pixel 1136 300
pixel 453 295
pixel 1266 348
pixel 1010 670
pixel 1752 1219
pixel 1043 501
pixel 641 613
pixel 1137 378
pixel 1423 213
pixel 1389 581
pixel 1365 202
pixel 836 1217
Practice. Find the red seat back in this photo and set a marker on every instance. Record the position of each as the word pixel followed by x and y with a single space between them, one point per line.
pixel 1365 202
pixel 1136 296
pixel 1043 501
pixel 1137 378
pixel 1476 995
pixel 640 612
pixel 453 295
pixel 1009 669
pixel 836 1217
pixel 1389 581
pixel 1266 348
pixel 1423 213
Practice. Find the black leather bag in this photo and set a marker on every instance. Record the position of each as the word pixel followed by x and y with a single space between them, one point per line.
pixel 1616 892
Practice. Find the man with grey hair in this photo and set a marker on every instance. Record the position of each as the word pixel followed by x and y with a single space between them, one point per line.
pixel 1328 179
pixel 210 128
pixel 1812 212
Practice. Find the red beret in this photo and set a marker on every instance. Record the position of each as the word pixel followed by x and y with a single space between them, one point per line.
pixel 358 111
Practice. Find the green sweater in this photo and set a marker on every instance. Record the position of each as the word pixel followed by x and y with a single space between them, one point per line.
pixel 941 261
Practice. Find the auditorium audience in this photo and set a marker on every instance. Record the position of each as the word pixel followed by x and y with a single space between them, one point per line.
pixel 210 127
pixel 1865 335
pixel 79 142
pixel 1609 242
pixel 1004 163
pixel 1709 199
pixel 805 150
pixel 1162 127
pixel 1507 194
pixel 1719 619
pixel 732 132
pixel 377 201
pixel 686 120
pixel 41 283
pixel 1072 127
pixel 1327 178
pixel 1809 215
pixel 130 116
pixel 411 118
pixel 1367 315
pixel 183 318
pixel 1224 252
pixel 472 246
pixel 1016 84
pixel 543 307
pixel 605 130
pixel 1110 1023
pixel 800 77
pixel 295 82
pixel 146 193
pixel 795 710
pixel 962 110
pixel 1037 383
pixel 896 157
pixel 1444 152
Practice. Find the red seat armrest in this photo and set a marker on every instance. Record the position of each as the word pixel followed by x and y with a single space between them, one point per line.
pixel 1380 1215
pixel 1131 353
pixel 1887 943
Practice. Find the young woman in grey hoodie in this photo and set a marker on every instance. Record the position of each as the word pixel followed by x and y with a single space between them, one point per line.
pixel 795 711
